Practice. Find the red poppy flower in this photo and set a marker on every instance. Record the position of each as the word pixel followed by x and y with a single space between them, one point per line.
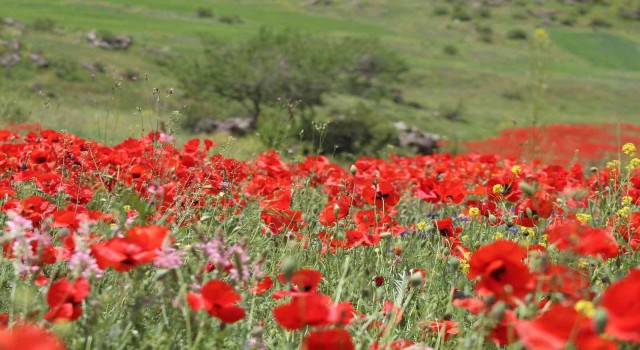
pixel 623 308
pixel 572 235
pixel 554 329
pixel 303 281
pixel 448 328
pixel 141 245
pixel 328 214
pixel 446 228
pixel 504 333
pixel 499 265
pixel 65 300
pixel 28 336
pixel 263 286
pixel 382 195
pixel 217 298
pixel 310 310
pixel 332 339
pixel 530 210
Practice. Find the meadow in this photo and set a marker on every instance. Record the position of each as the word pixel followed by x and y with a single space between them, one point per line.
pixel 144 245
pixel 121 229
pixel 472 71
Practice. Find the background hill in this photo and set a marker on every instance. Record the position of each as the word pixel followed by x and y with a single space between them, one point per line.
pixel 472 68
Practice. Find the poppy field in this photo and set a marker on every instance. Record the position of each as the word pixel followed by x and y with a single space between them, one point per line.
pixel 147 245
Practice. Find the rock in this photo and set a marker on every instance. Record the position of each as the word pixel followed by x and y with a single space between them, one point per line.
pixel 10 59
pixel 412 137
pixel 109 42
pixel 235 126
pixel 38 60
pixel 10 22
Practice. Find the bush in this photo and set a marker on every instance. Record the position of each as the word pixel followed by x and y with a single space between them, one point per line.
pixel 204 12
pixel 600 23
pixel 358 132
pixel 274 66
pixel 517 34
pixel 44 25
pixel 461 13
pixel 483 12
pixel 485 32
pixel 67 69
pixel 441 11
pixel 569 22
pixel 450 50
pixel 230 19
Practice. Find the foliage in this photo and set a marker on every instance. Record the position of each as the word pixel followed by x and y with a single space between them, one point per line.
pixel 147 245
pixel 275 66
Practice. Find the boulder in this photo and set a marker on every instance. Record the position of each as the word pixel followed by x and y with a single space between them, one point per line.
pixel 234 126
pixel 38 60
pixel 109 42
pixel 9 59
pixel 420 141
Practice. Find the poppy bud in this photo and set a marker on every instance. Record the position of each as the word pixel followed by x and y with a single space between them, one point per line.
pixel 353 170
pixel 593 169
pixel 336 211
pixel 416 279
pixel 529 213
pixel 289 267
pixel 454 262
pixel 497 312
pixel 600 320
pixel 527 188
pixel 378 281
pixel 492 218
pixel 385 234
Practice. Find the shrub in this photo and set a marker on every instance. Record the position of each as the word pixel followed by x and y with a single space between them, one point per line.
pixel 569 22
pixel 44 25
pixel 230 19
pixel 358 132
pixel 204 12
pixel 441 11
pixel 450 50
pixel 483 12
pixel 273 66
pixel 485 33
pixel 598 22
pixel 517 34
pixel 461 13
pixel 67 69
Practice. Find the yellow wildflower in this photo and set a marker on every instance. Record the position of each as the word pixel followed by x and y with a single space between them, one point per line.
pixel 498 188
pixel 422 226
pixel 474 212
pixel 464 266
pixel 582 263
pixel 626 200
pixel 516 169
pixel 634 164
pixel 624 212
pixel 126 207
pixel 583 218
pixel 541 35
pixel 614 164
pixel 629 149
pixel 585 307
pixel 464 238
pixel 498 235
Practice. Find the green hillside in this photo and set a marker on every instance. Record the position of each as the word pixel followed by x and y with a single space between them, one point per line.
pixel 471 69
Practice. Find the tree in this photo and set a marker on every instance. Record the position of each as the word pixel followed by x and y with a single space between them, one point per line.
pixel 273 66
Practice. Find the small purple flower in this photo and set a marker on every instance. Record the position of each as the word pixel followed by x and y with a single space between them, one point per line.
pixel 169 258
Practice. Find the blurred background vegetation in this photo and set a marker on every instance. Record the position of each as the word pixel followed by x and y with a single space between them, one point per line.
pixel 111 69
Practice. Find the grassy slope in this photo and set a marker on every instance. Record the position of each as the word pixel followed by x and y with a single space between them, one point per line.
pixel 591 77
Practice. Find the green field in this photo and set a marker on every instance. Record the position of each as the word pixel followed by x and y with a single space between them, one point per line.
pixel 591 74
